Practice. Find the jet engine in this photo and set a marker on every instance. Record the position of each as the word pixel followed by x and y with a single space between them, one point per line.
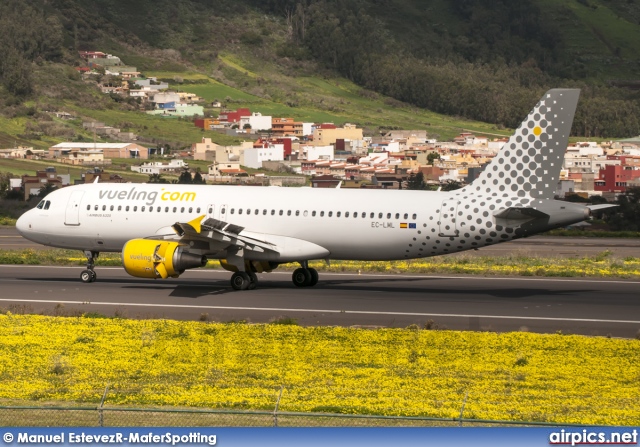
pixel 147 258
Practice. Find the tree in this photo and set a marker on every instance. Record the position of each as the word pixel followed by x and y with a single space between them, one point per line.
pixel 185 178
pixel 157 178
pixel 432 156
pixel 451 185
pixel 416 182
pixel 46 189
pixel 627 217
pixel 197 178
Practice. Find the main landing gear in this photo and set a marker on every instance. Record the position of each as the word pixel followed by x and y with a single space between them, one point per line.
pixel 244 281
pixel 305 276
pixel 302 277
pixel 89 275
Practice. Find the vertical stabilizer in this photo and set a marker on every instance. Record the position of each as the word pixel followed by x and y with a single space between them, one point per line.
pixel 528 165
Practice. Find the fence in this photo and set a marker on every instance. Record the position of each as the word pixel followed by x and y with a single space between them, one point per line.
pixel 159 417
pixel 107 416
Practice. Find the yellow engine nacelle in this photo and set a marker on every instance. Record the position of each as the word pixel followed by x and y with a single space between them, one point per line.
pixel 146 258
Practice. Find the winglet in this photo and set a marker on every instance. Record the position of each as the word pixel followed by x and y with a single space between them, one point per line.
pixel 197 223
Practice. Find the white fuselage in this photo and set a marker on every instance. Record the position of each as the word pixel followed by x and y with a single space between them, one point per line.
pixel 350 224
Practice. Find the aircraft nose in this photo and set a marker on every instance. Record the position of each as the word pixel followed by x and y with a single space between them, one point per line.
pixel 23 225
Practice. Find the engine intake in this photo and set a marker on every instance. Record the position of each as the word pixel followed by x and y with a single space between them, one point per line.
pixel 146 258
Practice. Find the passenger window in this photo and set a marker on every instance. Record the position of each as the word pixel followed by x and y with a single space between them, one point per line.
pixel 338 214
pixel 143 208
pixel 127 208
pixel 166 209
pixel 112 207
pixel 210 210
pixel 313 214
pixel 88 207
pixel 330 213
pixel 364 215
pixel 233 210
pixel 159 208
pixel 414 217
pixel 321 213
pixel 289 213
pixel 198 210
pixel 182 209
pixel 388 215
pixel 273 212
pixel 191 210
pixel 306 213
pixel 397 215
pixel 240 211
pixel 297 213
pixel 379 215
pixel 264 212
pixel 406 216
pixel 135 208
pixel 151 209
pixel 345 214
pixel 104 207
pixel 248 211
pixel 372 215
pixel 119 207
pixel 281 212
pixel 222 211
pixel 257 212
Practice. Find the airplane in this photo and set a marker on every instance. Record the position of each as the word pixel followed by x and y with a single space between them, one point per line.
pixel 164 229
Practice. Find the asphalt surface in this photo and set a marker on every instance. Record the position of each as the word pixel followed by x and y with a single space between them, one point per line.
pixel 567 247
pixel 576 306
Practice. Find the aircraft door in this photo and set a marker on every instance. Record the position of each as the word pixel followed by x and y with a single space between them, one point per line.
pixel 448 217
pixel 223 213
pixel 72 213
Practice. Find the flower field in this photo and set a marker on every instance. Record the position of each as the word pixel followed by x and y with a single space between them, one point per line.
pixel 511 376
pixel 602 265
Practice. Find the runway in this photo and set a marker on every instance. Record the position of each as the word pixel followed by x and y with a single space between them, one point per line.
pixel 545 246
pixel 574 306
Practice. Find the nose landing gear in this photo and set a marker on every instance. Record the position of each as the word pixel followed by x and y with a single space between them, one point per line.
pixel 89 275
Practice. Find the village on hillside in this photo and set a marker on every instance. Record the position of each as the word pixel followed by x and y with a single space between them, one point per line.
pixel 322 154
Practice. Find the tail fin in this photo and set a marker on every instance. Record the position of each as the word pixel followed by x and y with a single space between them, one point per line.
pixel 528 165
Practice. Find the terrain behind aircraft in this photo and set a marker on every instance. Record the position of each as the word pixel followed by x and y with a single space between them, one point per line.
pixel 163 230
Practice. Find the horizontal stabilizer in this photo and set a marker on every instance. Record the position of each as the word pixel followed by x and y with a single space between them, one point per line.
pixel 601 206
pixel 514 213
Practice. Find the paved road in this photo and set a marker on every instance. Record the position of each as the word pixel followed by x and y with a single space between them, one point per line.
pixel 598 307
pixel 534 246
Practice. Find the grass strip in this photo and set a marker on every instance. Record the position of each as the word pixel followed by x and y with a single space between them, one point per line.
pixel 602 265
pixel 516 376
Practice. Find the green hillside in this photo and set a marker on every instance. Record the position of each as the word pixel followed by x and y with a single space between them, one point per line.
pixel 443 65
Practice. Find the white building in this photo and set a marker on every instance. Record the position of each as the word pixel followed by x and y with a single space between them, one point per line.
pixel 317 152
pixel 254 157
pixel 158 167
pixel 257 122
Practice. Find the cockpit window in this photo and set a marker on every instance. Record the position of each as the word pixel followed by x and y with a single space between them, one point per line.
pixel 40 205
pixel 47 204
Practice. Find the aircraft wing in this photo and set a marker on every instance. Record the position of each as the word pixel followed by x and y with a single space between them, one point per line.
pixel 221 234
pixel 213 236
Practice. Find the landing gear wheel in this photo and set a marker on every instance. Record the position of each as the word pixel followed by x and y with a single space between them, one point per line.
pixel 87 276
pixel 301 277
pixel 314 277
pixel 253 281
pixel 93 275
pixel 240 281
